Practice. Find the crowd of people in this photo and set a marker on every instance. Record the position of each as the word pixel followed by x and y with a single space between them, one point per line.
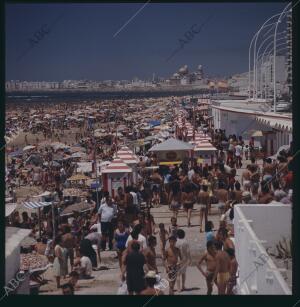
pixel 124 224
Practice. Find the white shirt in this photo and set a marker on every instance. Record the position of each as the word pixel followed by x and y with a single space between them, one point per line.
pixel 86 263
pixel 238 150
pixel 107 212
pixel 135 199
pixel 191 173
pixel 141 239
pixel 184 247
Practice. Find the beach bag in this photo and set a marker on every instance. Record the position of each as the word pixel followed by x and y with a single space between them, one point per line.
pixel 122 290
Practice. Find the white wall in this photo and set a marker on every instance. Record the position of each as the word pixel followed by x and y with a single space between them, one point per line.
pixel 12 259
pixel 258 226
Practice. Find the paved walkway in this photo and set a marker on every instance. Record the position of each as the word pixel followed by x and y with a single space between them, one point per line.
pixel 108 281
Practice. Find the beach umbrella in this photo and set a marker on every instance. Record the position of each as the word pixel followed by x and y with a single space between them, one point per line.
pixel 28 147
pixel 16 153
pixel 44 194
pixel 80 207
pixel 78 155
pixel 34 159
pixel 73 192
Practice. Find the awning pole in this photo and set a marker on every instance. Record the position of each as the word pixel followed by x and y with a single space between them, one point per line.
pixel 53 221
pixel 39 217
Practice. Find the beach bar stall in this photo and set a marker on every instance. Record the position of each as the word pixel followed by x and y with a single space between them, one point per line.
pixel 172 151
pixel 132 161
pixel 116 174
pixel 204 152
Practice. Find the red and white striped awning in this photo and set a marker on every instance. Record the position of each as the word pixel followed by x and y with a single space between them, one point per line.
pixel 127 158
pixel 36 204
pixel 117 166
pixel 204 146
pixel 202 138
pixel 125 149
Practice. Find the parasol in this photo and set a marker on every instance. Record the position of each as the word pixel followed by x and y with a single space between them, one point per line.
pixel 80 207
pixel 73 192
pixel 29 147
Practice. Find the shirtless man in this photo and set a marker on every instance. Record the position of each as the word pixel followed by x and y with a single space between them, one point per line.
pixel 69 242
pixel 222 268
pixel 222 195
pixel 172 265
pixel 150 254
pixel 203 200
pixel 209 258
pixel 246 175
pixel 233 270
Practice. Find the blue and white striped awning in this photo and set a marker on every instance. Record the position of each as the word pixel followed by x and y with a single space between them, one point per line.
pixel 36 204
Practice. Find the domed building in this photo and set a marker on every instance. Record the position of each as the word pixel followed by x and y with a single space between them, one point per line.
pixel 183 70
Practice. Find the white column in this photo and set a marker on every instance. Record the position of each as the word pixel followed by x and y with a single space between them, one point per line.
pixel 281 138
pixel 277 140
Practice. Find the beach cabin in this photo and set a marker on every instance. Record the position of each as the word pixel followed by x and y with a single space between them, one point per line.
pixel 204 152
pixel 116 174
pixel 172 151
pixel 131 160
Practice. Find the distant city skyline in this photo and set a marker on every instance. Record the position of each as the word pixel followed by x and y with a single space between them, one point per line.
pixel 56 42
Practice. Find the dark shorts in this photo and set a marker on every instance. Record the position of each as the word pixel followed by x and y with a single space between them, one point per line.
pixel 106 228
pixel 120 250
pixel 188 206
pixel 175 205
pixel 135 283
pixel 210 276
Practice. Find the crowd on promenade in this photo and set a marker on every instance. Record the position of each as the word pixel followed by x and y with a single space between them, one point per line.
pixel 125 223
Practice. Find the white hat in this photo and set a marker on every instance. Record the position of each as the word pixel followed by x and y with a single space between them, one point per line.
pixel 151 274
pixel 246 194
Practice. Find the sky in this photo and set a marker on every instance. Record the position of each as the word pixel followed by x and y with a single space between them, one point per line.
pixel 55 42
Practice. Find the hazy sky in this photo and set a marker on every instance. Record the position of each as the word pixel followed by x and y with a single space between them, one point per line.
pixel 81 42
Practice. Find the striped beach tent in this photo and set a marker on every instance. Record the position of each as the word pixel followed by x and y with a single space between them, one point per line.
pixel 36 204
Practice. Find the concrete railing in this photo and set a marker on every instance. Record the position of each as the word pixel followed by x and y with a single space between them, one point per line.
pixel 257 272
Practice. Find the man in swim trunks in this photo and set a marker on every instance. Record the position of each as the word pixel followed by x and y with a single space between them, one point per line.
pixel 150 254
pixel 209 258
pixel 222 268
pixel 233 269
pixel 172 263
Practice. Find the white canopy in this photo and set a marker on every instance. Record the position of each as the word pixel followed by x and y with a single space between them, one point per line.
pixel 172 145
